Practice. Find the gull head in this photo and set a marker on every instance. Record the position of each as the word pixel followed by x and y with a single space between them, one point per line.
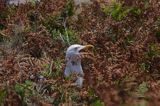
pixel 77 49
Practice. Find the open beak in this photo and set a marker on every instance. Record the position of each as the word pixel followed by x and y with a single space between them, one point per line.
pixel 87 52
pixel 86 48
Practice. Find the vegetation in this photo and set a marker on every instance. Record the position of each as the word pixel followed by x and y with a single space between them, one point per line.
pixel 123 71
pixel 118 11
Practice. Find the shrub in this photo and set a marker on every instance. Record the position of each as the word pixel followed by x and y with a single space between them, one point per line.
pixel 118 11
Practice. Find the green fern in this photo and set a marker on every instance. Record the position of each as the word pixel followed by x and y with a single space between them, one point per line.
pixel 118 11
pixel 97 103
pixel 142 89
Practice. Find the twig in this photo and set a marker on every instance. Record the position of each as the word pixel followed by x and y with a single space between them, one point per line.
pixel 50 68
pixel 61 37
pixel 2 34
pixel 65 28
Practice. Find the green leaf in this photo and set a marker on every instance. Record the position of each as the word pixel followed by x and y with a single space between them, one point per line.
pixel 153 50
pixel 142 89
pixel 158 34
pixel 129 40
pixel 91 92
pixel 25 88
pixel 2 26
pixel 69 9
pixel 3 93
pixel 97 103
pixel 141 103
pixel 135 11
pixel 145 66
pixel 20 90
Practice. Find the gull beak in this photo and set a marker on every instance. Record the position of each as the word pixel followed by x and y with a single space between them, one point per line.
pixel 88 47
pixel 85 48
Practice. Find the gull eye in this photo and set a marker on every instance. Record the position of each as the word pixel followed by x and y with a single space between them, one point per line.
pixel 76 48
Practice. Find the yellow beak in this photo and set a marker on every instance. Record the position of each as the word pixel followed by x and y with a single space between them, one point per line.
pixel 88 46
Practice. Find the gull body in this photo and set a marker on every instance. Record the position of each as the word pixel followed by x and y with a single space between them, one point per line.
pixel 73 59
pixel 73 62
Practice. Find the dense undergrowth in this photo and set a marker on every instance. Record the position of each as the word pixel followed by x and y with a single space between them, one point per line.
pixel 124 71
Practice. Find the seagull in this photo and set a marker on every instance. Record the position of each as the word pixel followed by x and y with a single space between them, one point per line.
pixel 73 61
